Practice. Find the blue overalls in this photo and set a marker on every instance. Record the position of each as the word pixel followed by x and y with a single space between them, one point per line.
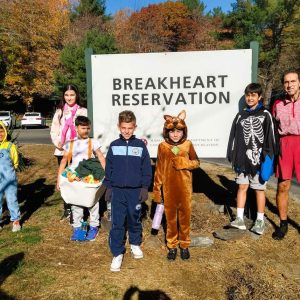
pixel 8 184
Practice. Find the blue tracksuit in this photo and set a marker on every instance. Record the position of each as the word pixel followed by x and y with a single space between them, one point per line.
pixel 128 169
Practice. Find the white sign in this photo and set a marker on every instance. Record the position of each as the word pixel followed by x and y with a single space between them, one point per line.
pixel 207 84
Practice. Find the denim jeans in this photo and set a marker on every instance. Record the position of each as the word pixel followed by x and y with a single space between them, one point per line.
pixel 10 191
pixel 8 185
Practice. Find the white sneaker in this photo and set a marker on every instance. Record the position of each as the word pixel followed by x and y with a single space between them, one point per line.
pixel 116 263
pixel 238 223
pixel 136 251
pixel 259 227
pixel 16 226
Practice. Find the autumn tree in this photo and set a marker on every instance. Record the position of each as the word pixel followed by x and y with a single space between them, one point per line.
pixel 81 25
pixel 119 27
pixel 88 15
pixel 72 59
pixel 31 34
pixel 290 55
pixel 162 27
pixel 88 29
pixel 269 22
pixel 169 26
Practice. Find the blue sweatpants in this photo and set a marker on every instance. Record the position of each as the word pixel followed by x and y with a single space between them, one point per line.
pixel 125 204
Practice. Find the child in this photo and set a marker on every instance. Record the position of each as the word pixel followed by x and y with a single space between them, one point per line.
pixel 8 179
pixel 63 127
pixel 127 178
pixel 251 151
pixel 176 157
pixel 79 152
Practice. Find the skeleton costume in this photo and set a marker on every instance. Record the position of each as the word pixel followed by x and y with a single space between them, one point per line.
pixel 173 180
pixel 252 143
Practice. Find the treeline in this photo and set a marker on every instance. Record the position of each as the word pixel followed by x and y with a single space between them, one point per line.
pixel 42 42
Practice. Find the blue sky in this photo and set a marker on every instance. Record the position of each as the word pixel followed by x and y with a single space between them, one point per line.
pixel 114 5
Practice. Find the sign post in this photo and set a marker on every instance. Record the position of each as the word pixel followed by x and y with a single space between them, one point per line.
pixel 88 65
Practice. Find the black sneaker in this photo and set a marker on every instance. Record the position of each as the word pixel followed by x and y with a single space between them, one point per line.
pixel 185 253
pixel 172 254
pixel 280 232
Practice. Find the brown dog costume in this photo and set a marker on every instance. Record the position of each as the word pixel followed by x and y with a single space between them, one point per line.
pixel 173 174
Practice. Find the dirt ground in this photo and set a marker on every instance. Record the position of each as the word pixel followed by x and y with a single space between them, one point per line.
pixel 41 262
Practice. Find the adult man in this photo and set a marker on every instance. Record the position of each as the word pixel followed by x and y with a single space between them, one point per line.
pixel 287 113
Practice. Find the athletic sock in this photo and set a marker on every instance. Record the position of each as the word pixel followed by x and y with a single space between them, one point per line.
pixel 240 213
pixel 260 216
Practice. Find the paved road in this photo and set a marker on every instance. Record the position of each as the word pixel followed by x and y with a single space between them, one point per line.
pixel 33 136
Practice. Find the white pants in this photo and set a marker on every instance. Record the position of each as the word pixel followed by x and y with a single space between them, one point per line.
pixel 77 212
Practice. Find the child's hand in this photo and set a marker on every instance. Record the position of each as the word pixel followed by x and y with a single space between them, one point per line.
pixel 156 197
pixel 157 201
pixel 143 195
pixel 57 185
pixel 59 146
pixel 108 195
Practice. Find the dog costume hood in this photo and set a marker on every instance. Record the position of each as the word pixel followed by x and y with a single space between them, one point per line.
pixel 173 122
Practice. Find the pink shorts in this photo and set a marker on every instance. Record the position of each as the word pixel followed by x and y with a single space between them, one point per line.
pixel 289 158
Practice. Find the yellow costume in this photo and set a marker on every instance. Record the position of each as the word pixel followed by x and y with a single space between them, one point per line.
pixel 5 144
pixel 173 181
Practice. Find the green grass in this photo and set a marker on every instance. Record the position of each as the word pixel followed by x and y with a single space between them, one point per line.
pixel 112 291
pixel 41 262
pixel 28 235
pixel 19 268
pixel 13 242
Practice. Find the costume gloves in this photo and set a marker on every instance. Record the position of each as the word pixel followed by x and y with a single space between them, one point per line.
pixel 143 195
pixel 108 195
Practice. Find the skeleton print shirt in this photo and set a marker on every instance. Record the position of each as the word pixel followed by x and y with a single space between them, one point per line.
pixel 252 141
